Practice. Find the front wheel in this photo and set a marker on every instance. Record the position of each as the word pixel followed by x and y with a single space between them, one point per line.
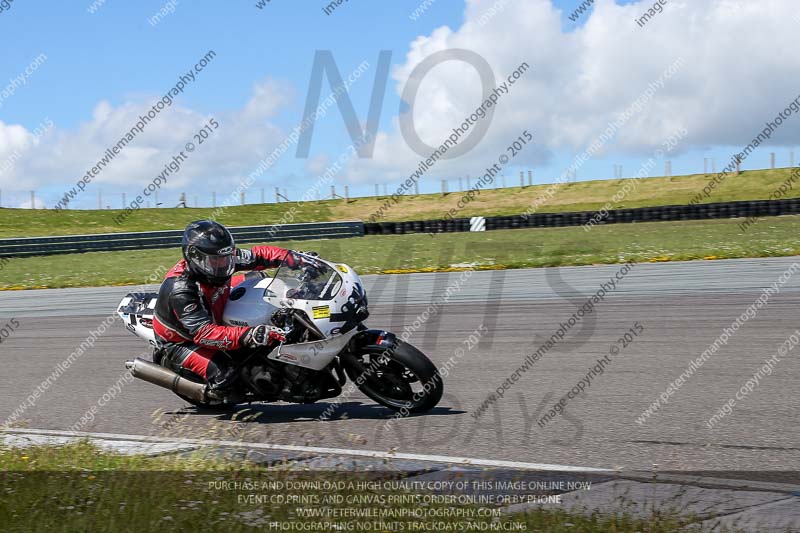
pixel 403 379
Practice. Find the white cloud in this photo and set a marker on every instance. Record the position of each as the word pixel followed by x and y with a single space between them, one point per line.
pixel 64 156
pixel 315 165
pixel 27 204
pixel 738 74
pixel 268 98
pixel 16 145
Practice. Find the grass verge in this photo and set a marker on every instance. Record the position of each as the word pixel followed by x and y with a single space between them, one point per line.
pixel 77 487
pixel 520 248
pixel 580 196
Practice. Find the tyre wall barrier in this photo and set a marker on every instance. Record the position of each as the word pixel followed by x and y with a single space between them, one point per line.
pixel 744 209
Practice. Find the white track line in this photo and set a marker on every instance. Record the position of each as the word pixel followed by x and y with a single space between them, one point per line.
pixel 461 461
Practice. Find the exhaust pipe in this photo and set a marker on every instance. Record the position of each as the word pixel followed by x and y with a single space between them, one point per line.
pixel 163 377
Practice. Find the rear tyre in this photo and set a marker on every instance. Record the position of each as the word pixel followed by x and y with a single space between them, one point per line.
pixel 404 380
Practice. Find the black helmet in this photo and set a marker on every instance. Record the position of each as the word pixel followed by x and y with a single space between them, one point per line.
pixel 209 251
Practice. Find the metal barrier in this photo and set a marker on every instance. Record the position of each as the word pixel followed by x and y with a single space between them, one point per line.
pixel 32 246
pixel 107 242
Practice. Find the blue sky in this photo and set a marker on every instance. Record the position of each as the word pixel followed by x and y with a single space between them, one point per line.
pixel 115 57
pixel 115 53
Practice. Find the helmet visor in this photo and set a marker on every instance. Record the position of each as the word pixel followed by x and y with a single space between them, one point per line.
pixel 213 265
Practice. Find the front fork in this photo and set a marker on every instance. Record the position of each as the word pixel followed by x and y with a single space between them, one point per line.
pixel 372 339
pixel 375 341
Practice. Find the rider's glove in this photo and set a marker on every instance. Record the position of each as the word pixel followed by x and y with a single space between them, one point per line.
pixel 307 263
pixel 263 335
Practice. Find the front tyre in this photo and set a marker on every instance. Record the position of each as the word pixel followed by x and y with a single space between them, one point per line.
pixel 402 379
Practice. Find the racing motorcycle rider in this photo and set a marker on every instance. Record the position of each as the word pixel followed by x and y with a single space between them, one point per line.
pixel 188 313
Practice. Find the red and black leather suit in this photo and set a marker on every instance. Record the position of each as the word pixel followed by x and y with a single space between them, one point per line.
pixel 188 317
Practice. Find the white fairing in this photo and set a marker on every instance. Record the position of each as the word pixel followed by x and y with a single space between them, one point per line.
pixel 135 322
pixel 315 355
pixel 246 306
pixel 253 302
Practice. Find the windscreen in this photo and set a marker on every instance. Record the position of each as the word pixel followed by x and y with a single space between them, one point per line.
pixel 304 277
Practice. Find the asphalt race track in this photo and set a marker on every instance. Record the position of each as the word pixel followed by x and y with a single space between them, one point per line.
pixel 683 307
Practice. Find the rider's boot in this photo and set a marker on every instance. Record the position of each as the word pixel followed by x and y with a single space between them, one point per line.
pixel 223 380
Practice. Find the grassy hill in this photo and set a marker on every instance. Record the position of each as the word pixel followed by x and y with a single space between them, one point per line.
pixel 581 196
pixel 390 254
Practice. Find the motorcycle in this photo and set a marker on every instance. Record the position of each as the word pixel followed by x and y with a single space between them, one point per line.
pixel 322 307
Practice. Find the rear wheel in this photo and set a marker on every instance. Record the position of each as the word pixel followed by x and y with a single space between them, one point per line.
pixel 404 379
